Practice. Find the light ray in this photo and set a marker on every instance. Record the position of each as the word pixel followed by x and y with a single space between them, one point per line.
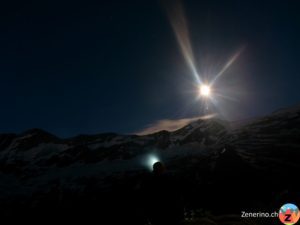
pixel 228 64
pixel 179 25
pixel 227 97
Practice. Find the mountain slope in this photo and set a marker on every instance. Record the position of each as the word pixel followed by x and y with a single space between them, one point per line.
pixel 205 155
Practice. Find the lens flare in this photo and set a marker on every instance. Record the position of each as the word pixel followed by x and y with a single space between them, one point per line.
pixel 228 64
pixel 179 25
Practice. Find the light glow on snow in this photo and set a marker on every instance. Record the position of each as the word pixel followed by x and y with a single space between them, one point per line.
pixel 151 159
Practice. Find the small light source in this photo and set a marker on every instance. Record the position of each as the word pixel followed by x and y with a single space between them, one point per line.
pixel 151 160
pixel 204 90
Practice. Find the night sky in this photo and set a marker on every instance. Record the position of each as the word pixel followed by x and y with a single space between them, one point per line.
pixel 115 66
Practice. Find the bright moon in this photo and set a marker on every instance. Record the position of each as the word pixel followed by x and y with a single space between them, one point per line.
pixel 204 90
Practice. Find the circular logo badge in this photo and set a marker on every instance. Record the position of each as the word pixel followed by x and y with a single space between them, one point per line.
pixel 289 214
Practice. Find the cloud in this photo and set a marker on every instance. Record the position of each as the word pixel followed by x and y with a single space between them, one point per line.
pixel 170 125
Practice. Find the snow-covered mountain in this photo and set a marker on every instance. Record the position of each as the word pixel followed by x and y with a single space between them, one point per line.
pixel 271 142
pixel 39 149
pixel 203 151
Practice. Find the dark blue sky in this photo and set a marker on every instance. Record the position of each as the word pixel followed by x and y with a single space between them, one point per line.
pixel 90 67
